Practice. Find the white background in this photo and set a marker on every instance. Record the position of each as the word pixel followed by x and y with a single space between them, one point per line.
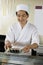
pixel 38 20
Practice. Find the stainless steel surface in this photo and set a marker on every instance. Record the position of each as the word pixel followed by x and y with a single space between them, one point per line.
pixel 40 50
pixel 20 59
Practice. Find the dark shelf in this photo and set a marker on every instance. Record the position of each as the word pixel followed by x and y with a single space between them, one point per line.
pixel 2 39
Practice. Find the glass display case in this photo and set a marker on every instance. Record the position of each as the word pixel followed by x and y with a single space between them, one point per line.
pixel 20 59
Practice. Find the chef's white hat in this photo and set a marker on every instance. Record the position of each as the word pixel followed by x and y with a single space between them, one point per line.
pixel 22 7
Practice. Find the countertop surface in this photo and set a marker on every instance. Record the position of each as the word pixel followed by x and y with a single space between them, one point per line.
pixel 19 58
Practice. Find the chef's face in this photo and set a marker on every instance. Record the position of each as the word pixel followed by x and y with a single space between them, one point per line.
pixel 22 16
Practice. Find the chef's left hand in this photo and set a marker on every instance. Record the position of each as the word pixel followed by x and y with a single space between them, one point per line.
pixel 26 49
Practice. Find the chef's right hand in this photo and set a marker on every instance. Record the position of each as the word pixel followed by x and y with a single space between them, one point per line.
pixel 7 45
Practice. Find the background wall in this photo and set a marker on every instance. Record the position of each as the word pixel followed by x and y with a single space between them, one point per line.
pixel 7 13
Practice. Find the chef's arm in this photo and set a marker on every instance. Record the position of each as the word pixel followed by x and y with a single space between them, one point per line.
pixel 34 46
pixel 7 44
pixel 30 46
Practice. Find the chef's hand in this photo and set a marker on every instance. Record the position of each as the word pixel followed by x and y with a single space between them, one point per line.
pixel 26 49
pixel 7 45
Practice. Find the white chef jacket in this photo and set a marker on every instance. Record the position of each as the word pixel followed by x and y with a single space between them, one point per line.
pixel 27 35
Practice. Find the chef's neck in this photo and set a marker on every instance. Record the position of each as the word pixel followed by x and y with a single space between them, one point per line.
pixel 23 24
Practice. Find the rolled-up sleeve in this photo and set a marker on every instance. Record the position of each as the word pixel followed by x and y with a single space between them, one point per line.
pixel 35 36
pixel 10 35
